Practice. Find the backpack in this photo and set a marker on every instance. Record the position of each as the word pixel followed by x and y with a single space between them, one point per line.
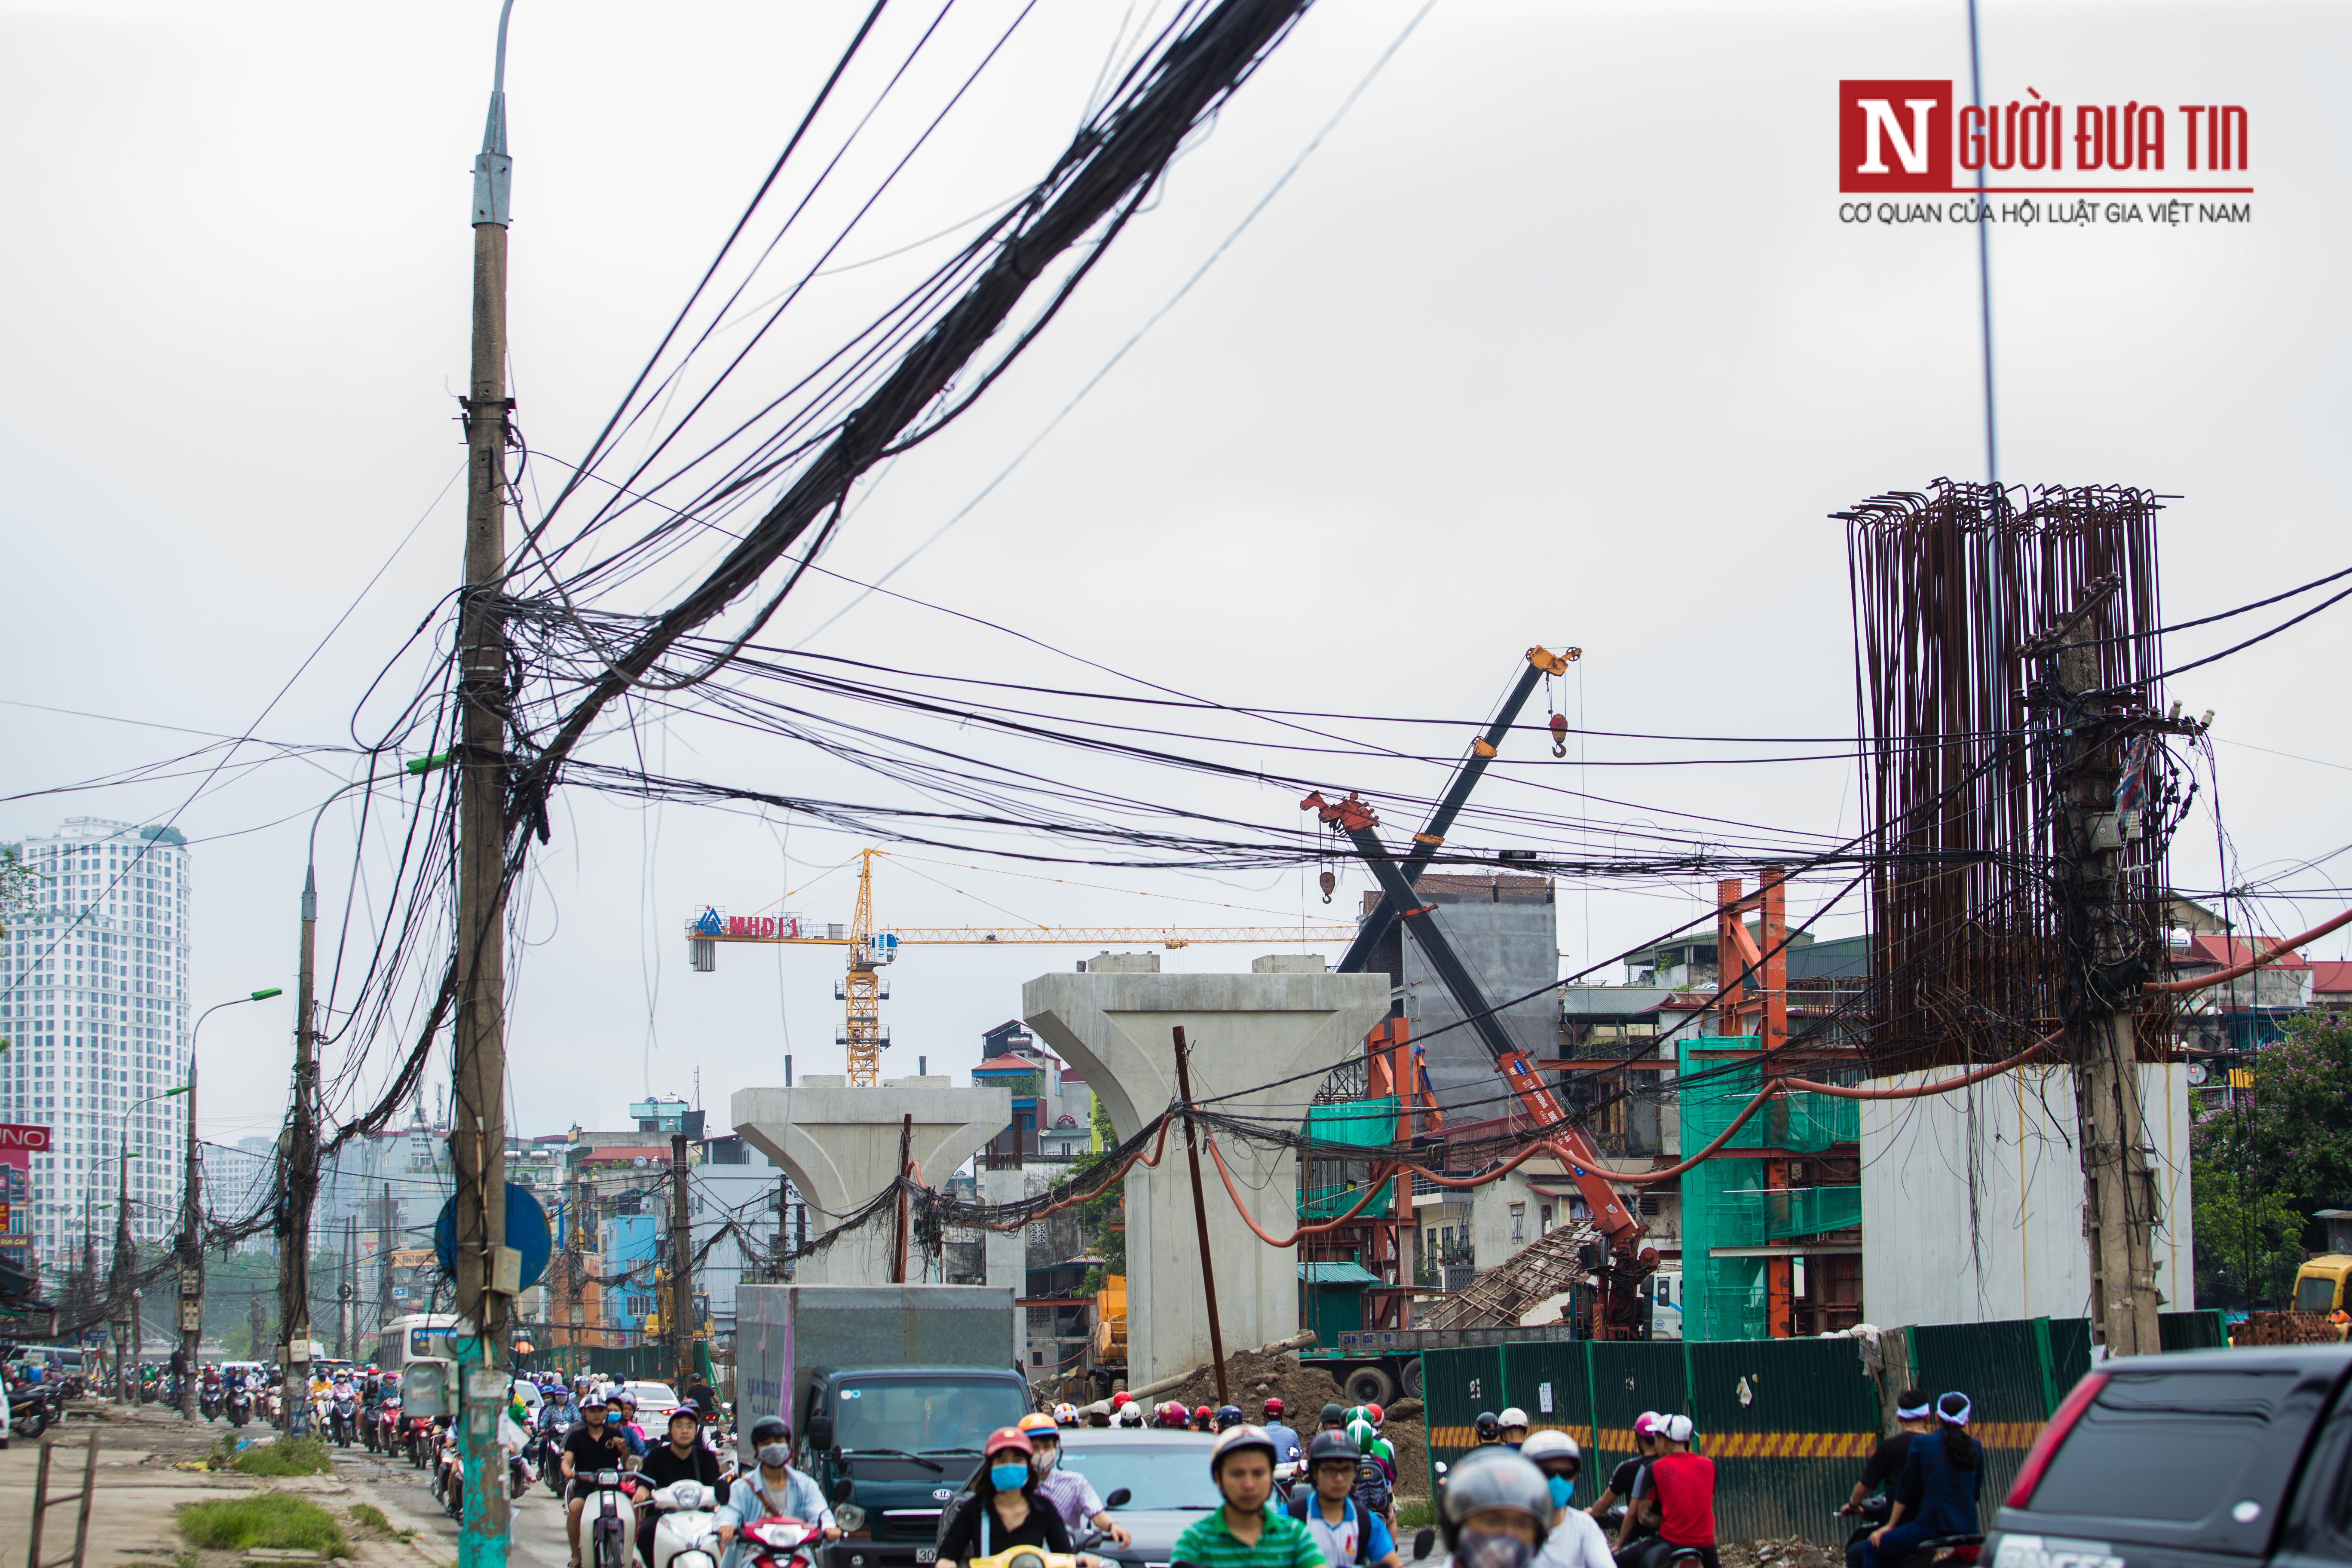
pixel 1372 1492
pixel 1303 1498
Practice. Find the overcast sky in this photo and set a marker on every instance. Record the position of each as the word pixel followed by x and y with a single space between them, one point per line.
pixel 1555 338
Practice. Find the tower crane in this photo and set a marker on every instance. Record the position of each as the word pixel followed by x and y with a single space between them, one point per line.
pixel 861 989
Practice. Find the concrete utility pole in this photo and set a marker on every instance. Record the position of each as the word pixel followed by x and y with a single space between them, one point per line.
pixel 192 1254
pixel 298 1168
pixel 486 1281
pixel 2118 1188
pixel 383 1234
pixel 681 1263
pixel 126 1260
pixel 1201 1215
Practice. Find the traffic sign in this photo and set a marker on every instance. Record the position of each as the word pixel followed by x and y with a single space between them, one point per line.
pixel 526 1233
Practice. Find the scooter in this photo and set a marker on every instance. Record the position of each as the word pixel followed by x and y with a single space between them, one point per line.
pixel 608 1524
pixel 237 1405
pixel 208 1401
pixel 34 1408
pixel 781 1541
pixel 686 1533
pixel 342 1417
pixel 1932 1551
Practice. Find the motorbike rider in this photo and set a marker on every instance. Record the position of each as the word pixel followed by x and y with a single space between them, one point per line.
pixel 1243 1532
pixel 1351 1535
pixel 1286 1445
pixel 1619 1492
pixel 1943 1478
pixel 1676 1494
pixel 1332 1419
pixel 770 1487
pixel 1514 1426
pixel 1006 1508
pixel 1485 1430
pixel 1070 1494
pixel 685 1457
pixel 1496 1510
pixel 595 1445
pixel 557 1413
pixel 1574 1541
pixel 1915 1413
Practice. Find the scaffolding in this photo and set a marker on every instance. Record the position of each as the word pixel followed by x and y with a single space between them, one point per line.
pixel 1735 1224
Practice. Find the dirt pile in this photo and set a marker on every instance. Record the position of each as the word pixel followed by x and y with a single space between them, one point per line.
pixel 1254 1376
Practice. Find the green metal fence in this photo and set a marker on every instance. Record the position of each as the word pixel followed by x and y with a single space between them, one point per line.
pixel 1793 1426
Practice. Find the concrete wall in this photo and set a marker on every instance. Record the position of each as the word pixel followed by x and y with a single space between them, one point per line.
pixel 1972 1201
pixel 1511 948
pixel 1115 1027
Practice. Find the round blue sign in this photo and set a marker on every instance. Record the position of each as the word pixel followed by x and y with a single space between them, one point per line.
pixel 527 1233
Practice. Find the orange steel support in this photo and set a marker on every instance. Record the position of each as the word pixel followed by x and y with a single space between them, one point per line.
pixel 1758 1005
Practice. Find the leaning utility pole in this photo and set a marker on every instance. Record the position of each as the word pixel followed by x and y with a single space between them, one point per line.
pixel 477 1120
pixel 298 1175
pixel 2119 1189
pixel 681 1262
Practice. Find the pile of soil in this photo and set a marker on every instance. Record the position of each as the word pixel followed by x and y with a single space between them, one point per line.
pixel 1792 1553
pixel 1254 1376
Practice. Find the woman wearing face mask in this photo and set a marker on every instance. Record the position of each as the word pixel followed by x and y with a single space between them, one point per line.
pixel 1575 1540
pixel 772 1489
pixel 1005 1509
pixel 1496 1510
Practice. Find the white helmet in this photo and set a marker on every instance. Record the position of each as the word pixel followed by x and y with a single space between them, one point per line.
pixel 1513 1416
pixel 1551 1444
pixel 1675 1428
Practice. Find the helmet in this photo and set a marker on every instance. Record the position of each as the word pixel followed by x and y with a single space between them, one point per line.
pixel 1356 1413
pixel 1373 1414
pixel 1235 1441
pixel 1675 1428
pixel 1331 1445
pixel 1121 1399
pixel 1487 1429
pixel 1174 1414
pixel 1494 1477
pixel 1551 1444
pixel 1273 1409
pixel 689 1410
pixel 1513 1415
pixel 1065 1414
pixel 770 1429
pixel 1361 1434
pixel 1203 1411
pixel 1011 1438
pixel 1036 1421
pixel 1645 1425
pixel 1332 1416
pixel 1228 1415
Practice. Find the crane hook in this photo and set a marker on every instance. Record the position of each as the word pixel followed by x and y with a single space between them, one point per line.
pixel 1328 882
pixel 1559 735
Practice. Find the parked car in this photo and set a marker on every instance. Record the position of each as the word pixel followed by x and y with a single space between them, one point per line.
pixel 2188 1460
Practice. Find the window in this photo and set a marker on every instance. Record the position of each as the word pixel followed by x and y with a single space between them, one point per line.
pixel 2170 1448
pixel 1543 1220
pixel 1518 1222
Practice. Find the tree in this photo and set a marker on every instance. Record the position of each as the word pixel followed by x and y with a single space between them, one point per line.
pixel 2264 1165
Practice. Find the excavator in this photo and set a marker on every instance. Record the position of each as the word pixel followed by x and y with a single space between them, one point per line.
pixel 1625 1261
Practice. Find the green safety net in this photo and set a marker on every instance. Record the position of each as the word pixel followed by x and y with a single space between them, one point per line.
pixel 1725 1201
pixel 1353 1125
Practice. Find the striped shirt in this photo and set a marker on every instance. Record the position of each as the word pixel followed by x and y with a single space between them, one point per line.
pixel 1072 1495
pixel 1282 1543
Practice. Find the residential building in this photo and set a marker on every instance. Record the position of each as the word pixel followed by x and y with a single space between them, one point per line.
pixel 1053 1108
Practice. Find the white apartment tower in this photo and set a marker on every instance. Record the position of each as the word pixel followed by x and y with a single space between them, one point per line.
pixel 94 995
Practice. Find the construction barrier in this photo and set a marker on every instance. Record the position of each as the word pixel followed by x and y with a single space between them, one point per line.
pixel 1788 1423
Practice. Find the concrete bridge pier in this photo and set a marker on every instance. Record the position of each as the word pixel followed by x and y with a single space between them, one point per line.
pixel 840 1146
pixel 1113 1023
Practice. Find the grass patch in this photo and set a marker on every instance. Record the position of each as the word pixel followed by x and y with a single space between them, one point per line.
pixel 272 1519
pixel 286 1456
pixel 1411 1513
pixel 367 1516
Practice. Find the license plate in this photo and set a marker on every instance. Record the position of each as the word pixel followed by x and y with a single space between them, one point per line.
pixel 927 1554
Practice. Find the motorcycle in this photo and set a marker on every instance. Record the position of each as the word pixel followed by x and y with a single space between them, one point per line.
pixel 237 1406
pixel 420 1441
pixel 686 1528
pixel 34 1408
pixel 608 1525
pixel 208 1401
pixel 449 1475
pixel 1932 1551
pixel 342 1417
pixel 781 1541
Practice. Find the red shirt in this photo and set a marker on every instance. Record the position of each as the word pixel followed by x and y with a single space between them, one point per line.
pixel 1684 1487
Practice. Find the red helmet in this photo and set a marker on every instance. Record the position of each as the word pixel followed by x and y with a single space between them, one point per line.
pixel 1204 1411
pixel 1173 1415
pixel 1273 1409
pixel 1374 1412
pixel 1121 1399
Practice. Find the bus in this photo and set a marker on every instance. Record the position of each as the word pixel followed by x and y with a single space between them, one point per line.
pixel 419 1336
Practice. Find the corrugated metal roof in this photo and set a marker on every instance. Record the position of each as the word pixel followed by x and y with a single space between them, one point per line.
pixel 1337 1274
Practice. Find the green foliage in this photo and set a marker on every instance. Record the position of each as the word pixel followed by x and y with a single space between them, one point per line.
pixel 272 1519
pixel 1411 1513
pixel 2264 1166
pixel 286 1456
pixel 1099 1215
pixel 367 1516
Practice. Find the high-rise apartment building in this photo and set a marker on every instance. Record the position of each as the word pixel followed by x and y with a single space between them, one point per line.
pixel 94 995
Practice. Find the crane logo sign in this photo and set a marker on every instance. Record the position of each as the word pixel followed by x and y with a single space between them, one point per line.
pixel 711 924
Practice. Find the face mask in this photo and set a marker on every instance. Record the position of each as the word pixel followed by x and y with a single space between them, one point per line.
pixel 1008 1478
pixel 1041 1463
pixel 774 1456
pixel 1562 1488
pixel 1492 1552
